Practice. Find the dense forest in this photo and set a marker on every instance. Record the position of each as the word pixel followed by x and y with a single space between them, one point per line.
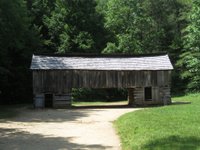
pixel 97 26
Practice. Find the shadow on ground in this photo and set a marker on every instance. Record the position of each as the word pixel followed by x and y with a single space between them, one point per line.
pixel 29 114
pixel 174 142
pixel 10 139
pixel 49 115
pixel 7 113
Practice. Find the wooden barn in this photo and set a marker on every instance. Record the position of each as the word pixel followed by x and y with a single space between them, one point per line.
pixel 147 77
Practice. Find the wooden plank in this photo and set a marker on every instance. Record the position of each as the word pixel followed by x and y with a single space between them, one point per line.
pixel 63 80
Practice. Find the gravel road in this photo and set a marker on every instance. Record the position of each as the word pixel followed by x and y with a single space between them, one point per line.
pixel 61 129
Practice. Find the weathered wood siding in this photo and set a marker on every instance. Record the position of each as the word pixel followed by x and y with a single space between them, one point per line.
pixel 139 96
pixel 63 100
pixel 165 95
pixel 59 100
pixel 52 81
pixel 160 95
pixel 61 81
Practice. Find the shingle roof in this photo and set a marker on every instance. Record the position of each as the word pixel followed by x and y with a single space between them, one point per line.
pixel 157 62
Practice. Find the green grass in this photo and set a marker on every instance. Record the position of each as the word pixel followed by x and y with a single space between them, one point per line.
pixel 99 103
pixel 175 127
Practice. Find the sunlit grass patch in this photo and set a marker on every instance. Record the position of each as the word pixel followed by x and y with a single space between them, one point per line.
pixel 176 126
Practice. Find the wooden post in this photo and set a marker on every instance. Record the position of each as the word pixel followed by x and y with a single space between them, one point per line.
pixel 131 96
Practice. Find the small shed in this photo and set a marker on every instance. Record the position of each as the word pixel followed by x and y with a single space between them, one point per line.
pixel 147 77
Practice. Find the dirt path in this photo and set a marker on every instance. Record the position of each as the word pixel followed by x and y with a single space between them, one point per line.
pixel 61 129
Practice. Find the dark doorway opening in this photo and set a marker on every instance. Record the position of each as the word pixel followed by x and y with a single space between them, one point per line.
pixel 48 100
pixel 148 93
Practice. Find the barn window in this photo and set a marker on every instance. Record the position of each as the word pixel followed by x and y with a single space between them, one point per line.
pixel 148 93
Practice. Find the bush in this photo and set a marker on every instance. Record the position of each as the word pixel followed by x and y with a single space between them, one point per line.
pixel 87 94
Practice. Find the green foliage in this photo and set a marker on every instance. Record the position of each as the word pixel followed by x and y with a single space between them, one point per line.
pixel 131 26
pixel 168 127
pixel 39 9
pixel 111 48
pixel 18 39
pixel 189 60
pixel 91 95
pixel 97 26
pixel 170 18
pixel 145 26
pixel 75 26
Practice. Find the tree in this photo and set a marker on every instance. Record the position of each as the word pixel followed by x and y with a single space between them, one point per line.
pixel 75 26
pixel 145 25
pixel 17 42
pixel 190 57
pixel 170 17
pixel 134 30
pixel 38 10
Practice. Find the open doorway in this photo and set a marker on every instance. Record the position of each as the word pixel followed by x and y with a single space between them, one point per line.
pixel 48 102
pixel 104 97
pixel 148 93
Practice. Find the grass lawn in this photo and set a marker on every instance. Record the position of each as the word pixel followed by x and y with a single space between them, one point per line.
pixel 173 127
pixel 99 103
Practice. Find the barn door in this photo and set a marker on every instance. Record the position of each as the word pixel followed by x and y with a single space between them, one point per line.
pixel 48 100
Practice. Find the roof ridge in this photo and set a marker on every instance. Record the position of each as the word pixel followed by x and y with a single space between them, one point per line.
pixel 100 55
